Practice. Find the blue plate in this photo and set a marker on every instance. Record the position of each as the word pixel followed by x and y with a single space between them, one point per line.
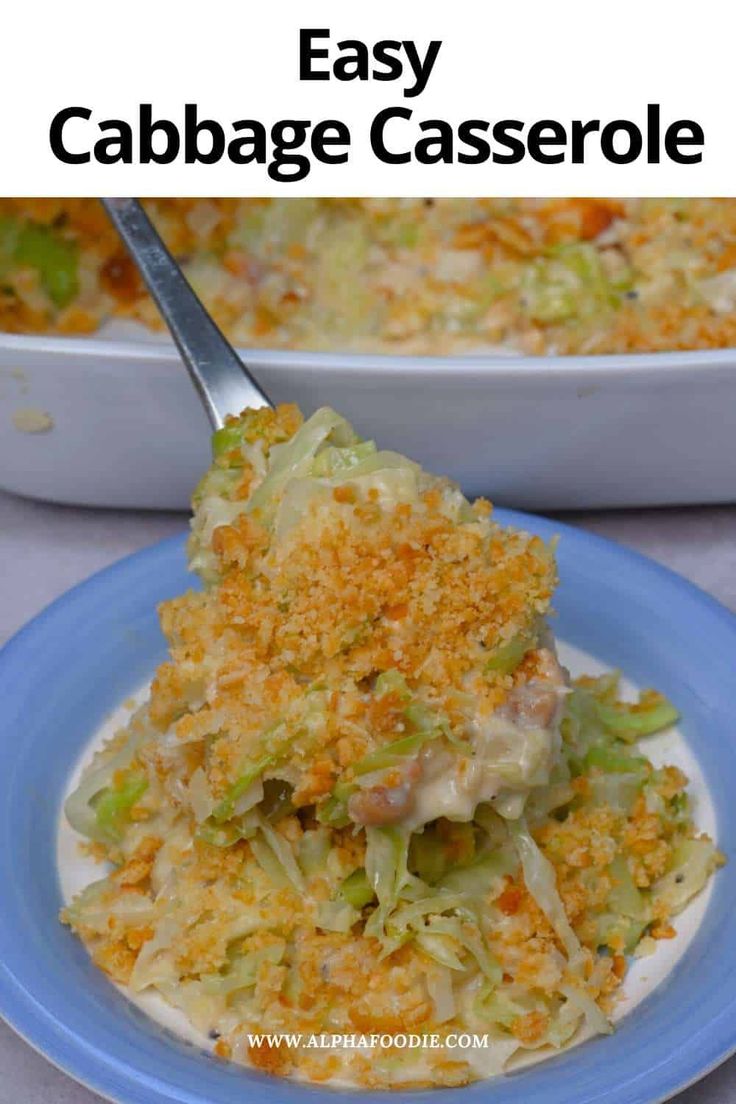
pixel 79 659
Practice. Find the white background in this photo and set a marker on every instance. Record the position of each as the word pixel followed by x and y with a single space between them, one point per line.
pixel 527 59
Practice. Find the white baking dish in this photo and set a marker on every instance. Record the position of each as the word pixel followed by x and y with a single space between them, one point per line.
pixel 124 427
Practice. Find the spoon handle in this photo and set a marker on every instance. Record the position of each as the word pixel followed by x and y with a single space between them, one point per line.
pixel 224 383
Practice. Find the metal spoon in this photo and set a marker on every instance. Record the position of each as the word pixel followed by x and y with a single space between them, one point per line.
pixel 224 383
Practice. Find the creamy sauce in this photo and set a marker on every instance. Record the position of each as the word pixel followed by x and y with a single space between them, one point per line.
pixel 508 761
pixel 510 757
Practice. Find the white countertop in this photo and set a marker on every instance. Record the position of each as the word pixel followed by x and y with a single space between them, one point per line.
pixel 46 549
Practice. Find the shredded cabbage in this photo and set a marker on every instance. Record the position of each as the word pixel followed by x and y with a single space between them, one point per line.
pixel 650 714
pixel 113 806
pixel 480 877
pixel 314 847
pixel 693 861
pixel 440 947
pixel 97 782
pixel 95 905
pixel 570 282
pixel 539 876
pixel 468 936
pixel 357 890
pixel 333 461
pixel 392 682
pixel 249 774
pixel 242 972
pixel 500 1008
pixel 293 459
pixel 386 856
pixel 508 656
pixel 594 1018
pixel 336 916
pixel 439 987
pixel 283 852
pixel 625 897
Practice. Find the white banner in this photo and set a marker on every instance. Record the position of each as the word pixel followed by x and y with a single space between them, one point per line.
pixel 332 98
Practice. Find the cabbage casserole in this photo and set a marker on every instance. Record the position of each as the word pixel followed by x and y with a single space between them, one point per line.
pixel 425 276
pixel 363 796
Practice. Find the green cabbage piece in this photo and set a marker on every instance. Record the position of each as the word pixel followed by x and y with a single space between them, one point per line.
pixel 9 230
pixel 100 901
pixel 540 880
pixel 613 761
pixel 507 658
pixel 678 809
pixel 435 850
pixel 221 835
pixel 570 282
pixel 386 856
pixel 242 971
pixel 428 859
pixel 333 461
pixel 477 879
pixel 357 890
pixel 293 459
pixel 80 808
pixel 630 722
pixel 333 811
pixel 411 913
pixel 392 682
pixel 583 1002
pixel 113 806
pixel 337 916
pixel 314 847
pixel 276 802
pixel 469 937
pixel 53 257
pixel 252 771
pixel 441 948
pixel 269 863
pixel 597 726
pixel 383 462
pixel 390 475
pixel 619 790
pixel 428 916
pixel 217 483
pixel 498 1007
pixel 227 443
pixel 282 852
pixel 625 897
pixel 611 928
pixel 393 754
pixel 692 863
pixel 279 220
